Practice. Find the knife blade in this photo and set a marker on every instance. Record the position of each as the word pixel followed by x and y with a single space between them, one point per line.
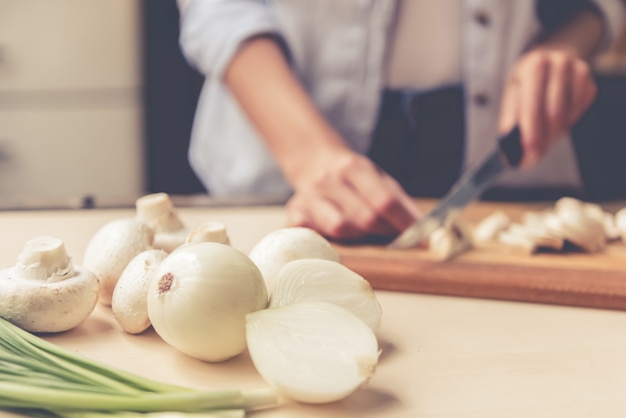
pixel 471 185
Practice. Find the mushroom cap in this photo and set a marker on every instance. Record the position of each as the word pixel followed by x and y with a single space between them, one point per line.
pixel 38 306
pixel 111 249
pixel 130 297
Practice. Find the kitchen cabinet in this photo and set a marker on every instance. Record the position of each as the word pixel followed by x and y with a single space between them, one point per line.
pixel 70 98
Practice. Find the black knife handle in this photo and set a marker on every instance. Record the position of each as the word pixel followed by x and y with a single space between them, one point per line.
pixel 511 146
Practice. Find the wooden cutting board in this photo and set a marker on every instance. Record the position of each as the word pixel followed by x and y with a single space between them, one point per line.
pixel 573 278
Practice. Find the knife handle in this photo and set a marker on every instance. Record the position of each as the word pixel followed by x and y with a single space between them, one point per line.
pixel 511 146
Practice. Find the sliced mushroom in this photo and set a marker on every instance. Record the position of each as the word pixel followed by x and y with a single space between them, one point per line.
pixel 44 291
pixel 451 239
pixel 620 222
pixel 490 227
pixel 579 223
pixel 531 237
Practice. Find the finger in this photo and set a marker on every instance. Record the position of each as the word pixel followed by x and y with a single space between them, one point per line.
pixel 387 198
pixel 316 212
pixel 296 213
pixel 584 93
pixel 509 107
pixel 531 108
pixel 558 97
pixel 357 210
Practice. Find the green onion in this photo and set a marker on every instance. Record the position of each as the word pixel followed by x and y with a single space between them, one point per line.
pixel 36 375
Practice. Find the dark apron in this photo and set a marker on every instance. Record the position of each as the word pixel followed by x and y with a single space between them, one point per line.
pixel 419 140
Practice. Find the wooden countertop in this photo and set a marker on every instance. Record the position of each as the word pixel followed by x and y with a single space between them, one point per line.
pixel 441 357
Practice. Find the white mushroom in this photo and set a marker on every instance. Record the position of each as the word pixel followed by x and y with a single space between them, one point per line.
pixel 130 297
pixel 157 211
pixel 579 223
pixel 488 229
pixel 531 237
pixel 620 222
pixel 112 247
pixel 280 246
pixel 445 243
pixel 451 239
pixel 611 230
pixel 44 291
pixel 208 231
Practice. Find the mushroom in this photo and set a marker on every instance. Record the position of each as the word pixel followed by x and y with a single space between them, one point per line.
pixel 490 227
pixel 531 237
pixel 208 231
pixel 450 239
pixel 130 296
pixel 157 211
pixel 611 230
pixel 620 222
pixel 112 247
pixel 579 223
pixel 44 291
pixel 282 245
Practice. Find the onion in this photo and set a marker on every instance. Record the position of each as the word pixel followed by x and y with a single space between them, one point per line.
pixel 312 352
pixel 283 245
pixel 318 280
pixel 199 298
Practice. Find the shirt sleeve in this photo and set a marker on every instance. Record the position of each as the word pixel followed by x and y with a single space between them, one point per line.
pixel 211 31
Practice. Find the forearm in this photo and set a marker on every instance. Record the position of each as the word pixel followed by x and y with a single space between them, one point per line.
pixel 279 107
pixel 581 36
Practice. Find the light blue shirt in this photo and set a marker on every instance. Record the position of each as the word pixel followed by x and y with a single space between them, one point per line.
pixel 337 49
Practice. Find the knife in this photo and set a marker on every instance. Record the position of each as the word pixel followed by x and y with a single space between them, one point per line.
pixel 507 154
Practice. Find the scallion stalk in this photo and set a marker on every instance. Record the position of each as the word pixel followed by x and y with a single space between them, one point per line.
pixel 36 375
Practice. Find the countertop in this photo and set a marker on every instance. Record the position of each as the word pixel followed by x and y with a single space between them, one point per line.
pixel 441 356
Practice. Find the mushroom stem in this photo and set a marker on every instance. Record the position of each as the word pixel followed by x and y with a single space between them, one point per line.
pixel 157 211
pixel 208 231
pixel 44 258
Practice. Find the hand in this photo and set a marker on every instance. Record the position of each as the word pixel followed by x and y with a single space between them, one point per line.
pixel 546 93
pixel 350 198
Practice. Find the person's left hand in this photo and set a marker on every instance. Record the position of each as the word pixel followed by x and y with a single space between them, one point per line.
pixel 546 93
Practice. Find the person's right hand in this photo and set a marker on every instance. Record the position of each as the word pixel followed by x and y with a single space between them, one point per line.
pixel 349 197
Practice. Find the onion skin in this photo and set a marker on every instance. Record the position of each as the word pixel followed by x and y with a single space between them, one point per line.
pixel 319 280
pixel 200 296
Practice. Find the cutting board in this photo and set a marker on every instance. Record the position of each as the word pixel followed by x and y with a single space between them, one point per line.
pixel 497 272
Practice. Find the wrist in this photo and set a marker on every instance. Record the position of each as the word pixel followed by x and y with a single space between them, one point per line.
pixel 579 38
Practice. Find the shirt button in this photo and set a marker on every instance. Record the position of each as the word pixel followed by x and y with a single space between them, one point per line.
pixel 482 18
pixel 481 99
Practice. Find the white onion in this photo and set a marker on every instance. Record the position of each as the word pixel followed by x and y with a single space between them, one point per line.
pixel 283 245
pixel 312 352
pixel 199 297
pixel 318 280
